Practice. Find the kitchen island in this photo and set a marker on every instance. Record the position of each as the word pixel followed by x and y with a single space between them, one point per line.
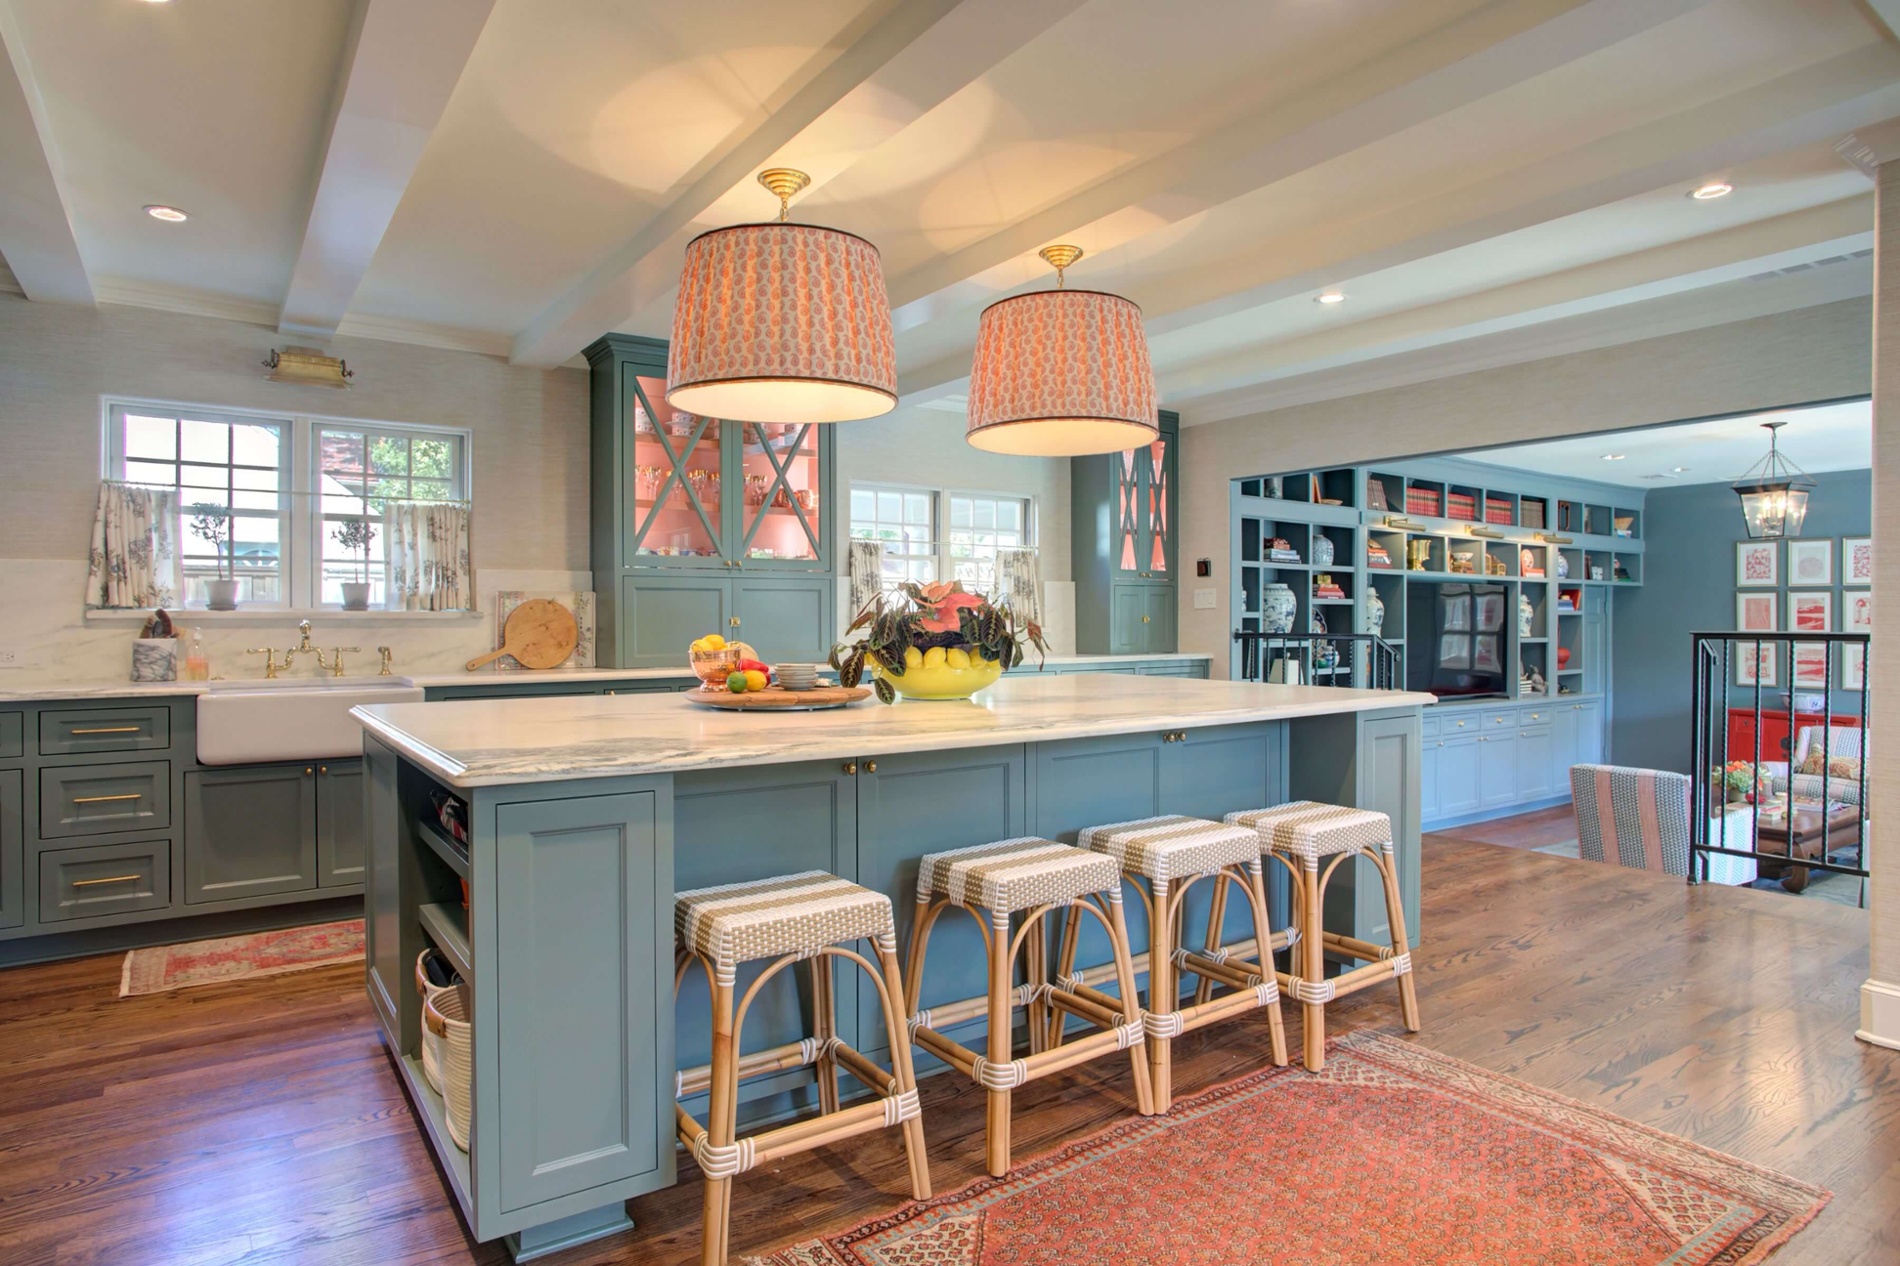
pixel 585 814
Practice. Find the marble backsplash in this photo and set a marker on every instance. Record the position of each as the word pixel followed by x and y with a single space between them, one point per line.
pixel 53 643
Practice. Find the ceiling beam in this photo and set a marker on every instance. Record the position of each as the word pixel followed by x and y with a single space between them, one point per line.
pixel 1814 104
pixel 900 59
pixel 404 62
pixel 1486 52
pixel 1886 16
pixel 36 230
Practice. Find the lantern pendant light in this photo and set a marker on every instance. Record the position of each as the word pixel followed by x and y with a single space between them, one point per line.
pixel 1774 493
pixel 782 322
pixel 1061 373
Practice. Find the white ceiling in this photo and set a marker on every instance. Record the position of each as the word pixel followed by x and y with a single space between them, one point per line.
pixel 516 177
pixel 1821 438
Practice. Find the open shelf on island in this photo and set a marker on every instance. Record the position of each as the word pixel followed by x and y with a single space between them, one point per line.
pixel 446 925
pixel 435 1120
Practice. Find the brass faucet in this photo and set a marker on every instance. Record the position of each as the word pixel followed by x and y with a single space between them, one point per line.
pixel 385 653
pixel 303 646
pixel 270 660
pixel 336 658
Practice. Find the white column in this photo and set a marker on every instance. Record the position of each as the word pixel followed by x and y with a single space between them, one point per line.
pixel 1880 995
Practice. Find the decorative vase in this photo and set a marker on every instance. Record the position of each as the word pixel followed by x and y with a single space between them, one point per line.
pixel 1526 615
pixel 221 594
pixel 1563 566
pixel 1563 657
pixel 356 595
pixel 942 682
pixel 1322 550
pixel 1375 612
pixel 1277 605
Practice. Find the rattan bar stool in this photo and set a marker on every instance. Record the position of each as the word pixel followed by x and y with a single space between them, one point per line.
pixel 812 917
pixel 1172 854
pixel 1033 878
pixel 1298 835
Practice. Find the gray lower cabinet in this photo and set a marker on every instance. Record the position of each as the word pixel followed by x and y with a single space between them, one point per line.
pixel 105 799
pixel 1428 778
pixel 12 849
pixel 341 825
pixel 250 830
pixel 104 879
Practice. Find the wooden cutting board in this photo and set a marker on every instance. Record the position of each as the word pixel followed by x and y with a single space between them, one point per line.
pixel 773 698
pixel 540 633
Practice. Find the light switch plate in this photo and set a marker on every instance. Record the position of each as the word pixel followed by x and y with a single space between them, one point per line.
pixel 1204 599
pixel 10 658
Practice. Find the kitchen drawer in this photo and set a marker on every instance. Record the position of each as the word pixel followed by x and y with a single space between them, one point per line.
pixel 145 727
pixel 12 740
pixel 84 883
pixel 1463 721
pixel 1542 714
pixel 101 799
pixel 1500 720
pixel 1428 725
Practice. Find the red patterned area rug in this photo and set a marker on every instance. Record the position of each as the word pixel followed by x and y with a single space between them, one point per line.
pixel 169 967
pixel 1393 1156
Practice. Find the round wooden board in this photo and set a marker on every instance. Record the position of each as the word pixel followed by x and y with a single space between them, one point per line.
pixel 540 633
pixel 775 699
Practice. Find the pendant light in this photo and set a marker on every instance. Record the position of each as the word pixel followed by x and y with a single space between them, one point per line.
pixel 1774 493
pixel 1061 373
pixel 782 322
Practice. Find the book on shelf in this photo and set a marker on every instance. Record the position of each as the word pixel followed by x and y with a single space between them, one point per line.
pixel 1283 556
pixel 1376 555
pixel 1461 506
pixel 1532 512
pixel 1498 510
pixel 1328 591
pixel 1422 501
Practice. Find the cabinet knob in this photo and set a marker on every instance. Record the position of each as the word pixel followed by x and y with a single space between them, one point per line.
pixel 851 767
pixel 307 771
pixel 733 621
pixel 870 767
pixel 323 769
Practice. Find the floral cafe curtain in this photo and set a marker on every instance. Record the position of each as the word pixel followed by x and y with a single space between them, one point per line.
pixel 429 566
pixel 1019 582
pixel 134 560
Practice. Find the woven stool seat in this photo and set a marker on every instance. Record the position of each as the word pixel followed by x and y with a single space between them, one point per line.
pixel 787 914
pixel 1173 847
pixel 1012 875
pixel 1306 828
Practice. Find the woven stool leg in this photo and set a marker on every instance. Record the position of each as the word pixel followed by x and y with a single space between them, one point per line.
pixel 1065 965
pixel 1401 941
pixel 1312 964
pixel 1164 993
pixel 1036 973
pixel 1000 1046
pixel 1263 935
pixel 824 1008
pixel 721 1114
pixel 903 1070
pixel 1216 926
pixel 1125 985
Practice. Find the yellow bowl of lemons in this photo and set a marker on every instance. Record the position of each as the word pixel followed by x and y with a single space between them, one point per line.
pixel 943 673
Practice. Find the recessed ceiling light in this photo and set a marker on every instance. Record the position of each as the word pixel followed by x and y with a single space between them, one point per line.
pixel 1614 457
pixel 1331 297
pixel 1714 189
pixel 159 211
pixel 1678 469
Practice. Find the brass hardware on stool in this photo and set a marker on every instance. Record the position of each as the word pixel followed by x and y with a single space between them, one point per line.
pixel 851 767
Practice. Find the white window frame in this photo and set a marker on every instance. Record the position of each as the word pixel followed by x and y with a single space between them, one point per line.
pixel 301 509
pixel 946 569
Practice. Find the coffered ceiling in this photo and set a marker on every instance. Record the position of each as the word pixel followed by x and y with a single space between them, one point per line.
pixel 1484 181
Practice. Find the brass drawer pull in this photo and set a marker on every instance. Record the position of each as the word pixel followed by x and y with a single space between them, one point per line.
pixel 870 767
pixel 109 729
pixel 851 767
pixel 110 879
pixel 128 795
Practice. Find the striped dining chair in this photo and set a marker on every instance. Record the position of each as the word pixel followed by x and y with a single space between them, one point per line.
pixel 1633 817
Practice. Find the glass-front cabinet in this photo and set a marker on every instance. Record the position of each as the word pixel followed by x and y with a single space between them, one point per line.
pixel 1144 515
pixel 1122 535
pixel 674 492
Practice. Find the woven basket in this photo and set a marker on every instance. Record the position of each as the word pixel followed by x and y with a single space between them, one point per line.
pixel 431 1044
pixel 447 1016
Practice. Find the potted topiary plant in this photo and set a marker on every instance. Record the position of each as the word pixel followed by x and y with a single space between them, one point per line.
pixel 356 535
pixel 212 524
pixel 934 642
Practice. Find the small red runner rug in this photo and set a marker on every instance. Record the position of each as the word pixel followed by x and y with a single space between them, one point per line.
pixel 169 967
pixel 1393 1156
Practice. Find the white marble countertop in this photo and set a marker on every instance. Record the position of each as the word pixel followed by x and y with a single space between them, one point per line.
pixel 482 677
pixel 493 742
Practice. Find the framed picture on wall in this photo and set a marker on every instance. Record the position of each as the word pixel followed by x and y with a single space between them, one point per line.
pixel 1810 663
pixel 1758 665
pixel 1810 612
pixel 1757 564
pixel 1756 613
pixel 1857 616
pixel 1811 562
pixel 1857 560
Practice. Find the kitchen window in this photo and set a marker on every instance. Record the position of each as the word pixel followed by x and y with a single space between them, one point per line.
pixel 307 497
pixel 931 534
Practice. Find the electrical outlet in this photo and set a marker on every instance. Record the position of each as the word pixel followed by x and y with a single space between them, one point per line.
pixel 1204 599
pixel 10 658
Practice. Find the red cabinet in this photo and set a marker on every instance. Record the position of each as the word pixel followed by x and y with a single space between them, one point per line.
pixel 1777 733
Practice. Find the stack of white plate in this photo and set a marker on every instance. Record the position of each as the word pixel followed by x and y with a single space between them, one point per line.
pixel 797 676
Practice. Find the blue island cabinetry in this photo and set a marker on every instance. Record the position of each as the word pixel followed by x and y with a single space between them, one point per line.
pixel 567 941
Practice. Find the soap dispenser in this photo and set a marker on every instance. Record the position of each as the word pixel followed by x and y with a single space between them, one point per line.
pixel 197 664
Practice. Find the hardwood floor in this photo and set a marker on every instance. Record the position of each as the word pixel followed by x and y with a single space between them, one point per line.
pixel 1538 829
pixel 260 1122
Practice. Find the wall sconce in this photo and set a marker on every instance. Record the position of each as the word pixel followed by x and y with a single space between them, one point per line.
pixel 307 367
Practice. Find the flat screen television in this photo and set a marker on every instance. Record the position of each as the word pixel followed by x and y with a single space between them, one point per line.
pixel 1457 639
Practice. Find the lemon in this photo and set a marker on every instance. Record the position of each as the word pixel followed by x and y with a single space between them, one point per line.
pixel 714 642
pixel 699 646
pixel 913 658
pixel 957 657
pixel 754 679
pixel 934 657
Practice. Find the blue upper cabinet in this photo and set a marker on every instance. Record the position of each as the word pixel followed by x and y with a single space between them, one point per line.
pixel 675 493
pixel 1122 532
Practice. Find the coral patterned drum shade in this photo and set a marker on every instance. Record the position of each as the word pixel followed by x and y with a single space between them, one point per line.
pixel 782 322
pixel 1061 373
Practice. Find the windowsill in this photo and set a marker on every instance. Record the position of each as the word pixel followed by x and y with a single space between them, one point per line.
pixel 274 615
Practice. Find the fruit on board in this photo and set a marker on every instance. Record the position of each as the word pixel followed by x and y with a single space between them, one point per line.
pixel 754 679
pixel 736 683
pixel 957 657
pixel 750 666
pixel 711 642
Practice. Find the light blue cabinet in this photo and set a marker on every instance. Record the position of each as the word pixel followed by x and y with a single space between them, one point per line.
pixel 1497 769
pixel 1457 767
pixel 1123 519
pixel 1535 759
pixel 1484 761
